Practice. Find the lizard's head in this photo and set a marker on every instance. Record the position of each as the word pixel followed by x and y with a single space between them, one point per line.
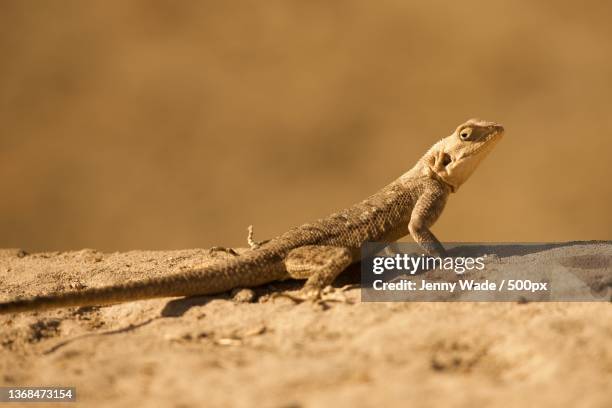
pixel 456 157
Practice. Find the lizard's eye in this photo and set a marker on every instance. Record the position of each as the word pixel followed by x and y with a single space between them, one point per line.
pixel 465 133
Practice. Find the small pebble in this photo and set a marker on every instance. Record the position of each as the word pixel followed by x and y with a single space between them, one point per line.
pixel 243 295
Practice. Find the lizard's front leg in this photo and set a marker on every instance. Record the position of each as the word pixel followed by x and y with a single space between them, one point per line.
pixel 424 214
pixel 319 264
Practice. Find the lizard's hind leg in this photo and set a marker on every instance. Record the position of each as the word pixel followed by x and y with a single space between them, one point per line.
pixel 319 264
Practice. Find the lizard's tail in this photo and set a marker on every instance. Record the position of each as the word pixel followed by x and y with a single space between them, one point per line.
pixel 209 280
pixel 89 297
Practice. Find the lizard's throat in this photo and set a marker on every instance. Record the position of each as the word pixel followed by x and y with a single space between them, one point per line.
pixel 460 169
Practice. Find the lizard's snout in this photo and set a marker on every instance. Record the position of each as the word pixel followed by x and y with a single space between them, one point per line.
pixel 497 128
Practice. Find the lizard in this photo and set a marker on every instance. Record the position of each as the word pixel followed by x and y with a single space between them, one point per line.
pixel 319 251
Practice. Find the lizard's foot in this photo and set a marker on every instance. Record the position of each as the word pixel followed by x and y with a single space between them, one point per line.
pixel 212 251
pixel 301 296
pixel 332 294
pixel 319 297
pixel 347 287
pixel 320 265
pixel 251 241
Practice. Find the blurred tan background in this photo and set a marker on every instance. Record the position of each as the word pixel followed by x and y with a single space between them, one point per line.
pixel 175 124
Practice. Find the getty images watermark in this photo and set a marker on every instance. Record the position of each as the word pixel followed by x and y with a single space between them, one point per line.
pixel 487 272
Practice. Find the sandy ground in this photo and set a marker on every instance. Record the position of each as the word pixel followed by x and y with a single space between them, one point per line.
pixel 218 351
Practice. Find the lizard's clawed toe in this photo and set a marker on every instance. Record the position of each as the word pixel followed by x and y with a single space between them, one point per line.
pixel 300 297
pixel 318 297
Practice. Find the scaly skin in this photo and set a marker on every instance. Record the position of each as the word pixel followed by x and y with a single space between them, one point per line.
pixel 319 251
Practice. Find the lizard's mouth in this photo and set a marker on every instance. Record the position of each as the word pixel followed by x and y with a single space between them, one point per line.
pixel 491 138
pixel 484 145
pixel 499 128
pixel 496 131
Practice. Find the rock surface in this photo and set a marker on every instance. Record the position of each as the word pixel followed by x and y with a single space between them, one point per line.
pixel 216 351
